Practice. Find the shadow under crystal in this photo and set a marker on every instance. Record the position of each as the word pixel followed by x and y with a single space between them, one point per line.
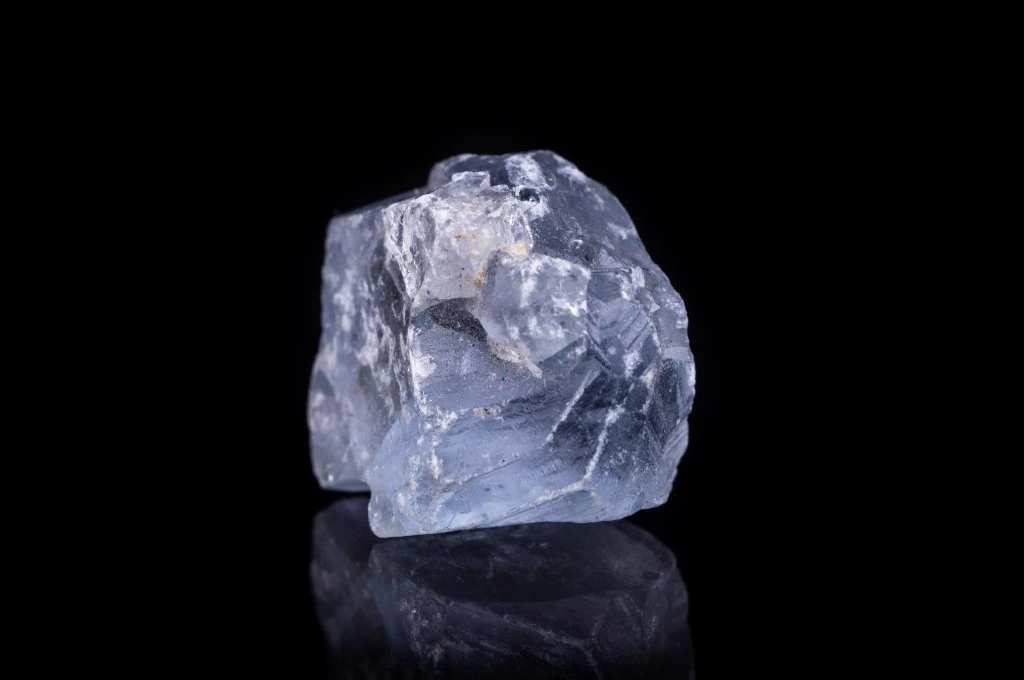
pixel 547 600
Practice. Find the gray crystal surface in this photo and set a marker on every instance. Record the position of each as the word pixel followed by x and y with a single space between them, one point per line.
pixel 551 600
pixel 498 348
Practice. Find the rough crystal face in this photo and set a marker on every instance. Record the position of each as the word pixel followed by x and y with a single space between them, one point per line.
pixel 498 348
pixel 536 601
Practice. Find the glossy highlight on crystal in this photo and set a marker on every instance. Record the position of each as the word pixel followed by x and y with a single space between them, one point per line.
pixel 498 348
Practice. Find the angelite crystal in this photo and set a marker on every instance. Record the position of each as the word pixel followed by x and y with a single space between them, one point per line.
pixel 498 348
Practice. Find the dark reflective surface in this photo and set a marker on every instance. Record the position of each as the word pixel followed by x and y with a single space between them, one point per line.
pixel 532 601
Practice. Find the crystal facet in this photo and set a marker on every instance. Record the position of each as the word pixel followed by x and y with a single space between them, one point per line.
pixel 548 600
pixel 498 348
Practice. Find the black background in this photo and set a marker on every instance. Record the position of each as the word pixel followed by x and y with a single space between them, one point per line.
pixel 798 198
pixel 763 211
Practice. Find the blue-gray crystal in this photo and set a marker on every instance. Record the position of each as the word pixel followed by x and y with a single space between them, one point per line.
pixel 498 348
pixel 550 600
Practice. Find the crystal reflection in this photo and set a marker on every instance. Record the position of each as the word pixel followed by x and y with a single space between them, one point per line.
pixel 532 601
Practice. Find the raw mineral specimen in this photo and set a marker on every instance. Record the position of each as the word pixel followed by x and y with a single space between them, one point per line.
pixel 498 348
pixel 537 601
